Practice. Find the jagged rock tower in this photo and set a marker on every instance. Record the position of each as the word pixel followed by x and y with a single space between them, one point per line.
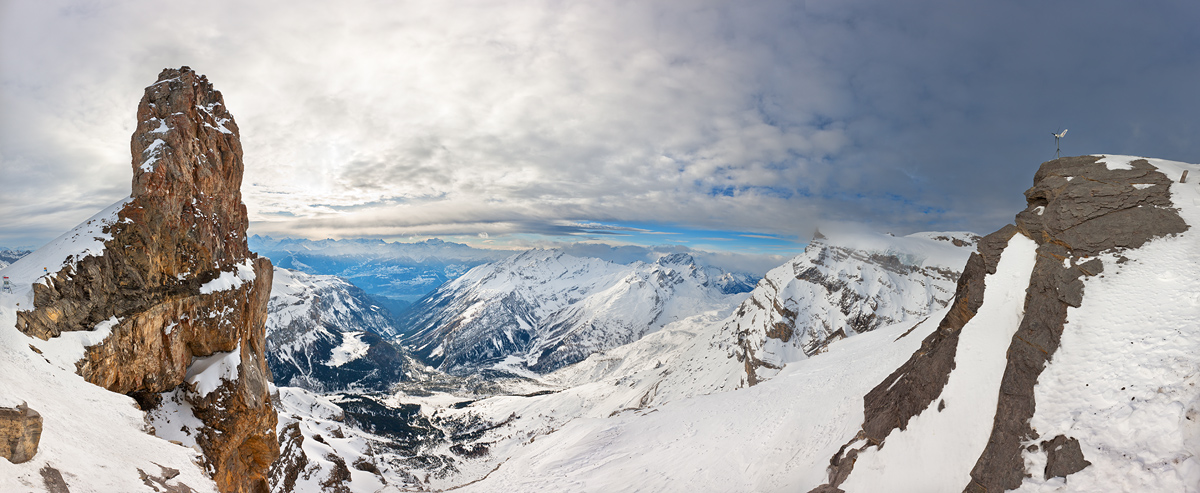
pixel 180 279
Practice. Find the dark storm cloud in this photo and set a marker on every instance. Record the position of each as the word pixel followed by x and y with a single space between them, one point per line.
pixel 423 118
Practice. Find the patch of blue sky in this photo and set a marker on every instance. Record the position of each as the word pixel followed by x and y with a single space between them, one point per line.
pixel 652 234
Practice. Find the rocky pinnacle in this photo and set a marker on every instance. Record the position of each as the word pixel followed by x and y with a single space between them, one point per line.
pixel 184 227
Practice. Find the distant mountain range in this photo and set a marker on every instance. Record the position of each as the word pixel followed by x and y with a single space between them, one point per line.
pixel 8 256
pixel 400 272
pixel 543 309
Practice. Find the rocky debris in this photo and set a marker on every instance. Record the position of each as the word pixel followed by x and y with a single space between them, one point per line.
pixel 163 483
pixel 53 480
pixel 20 432
pixel 1063 457
pixel 179 279
pixel 292 459
pixel 1076 210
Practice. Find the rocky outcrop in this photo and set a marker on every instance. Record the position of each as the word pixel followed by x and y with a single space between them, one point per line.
pixel 1077 209
pixel 179 281
pixel 20 432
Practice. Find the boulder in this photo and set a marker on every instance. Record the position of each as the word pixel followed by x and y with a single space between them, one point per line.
pixel 20 432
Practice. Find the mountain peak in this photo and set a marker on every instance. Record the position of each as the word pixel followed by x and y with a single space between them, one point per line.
pixel 676 259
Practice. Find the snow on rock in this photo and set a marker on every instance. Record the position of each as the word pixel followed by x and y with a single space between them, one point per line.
pixel 325 334
pixel 175 420
pixel 843 284
pixel 319 451
pixel 1125 381
pixel 96 439
pixel 208 373
pixel 233 279
pixel 1115 162
pixel 86 239
pixel 69 347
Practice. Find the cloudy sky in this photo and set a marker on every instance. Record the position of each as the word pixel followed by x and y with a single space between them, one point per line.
pixel 718 125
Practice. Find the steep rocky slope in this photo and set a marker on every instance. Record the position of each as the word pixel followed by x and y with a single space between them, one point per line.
pixel 542 309
pixel 160 296
pixel 843 286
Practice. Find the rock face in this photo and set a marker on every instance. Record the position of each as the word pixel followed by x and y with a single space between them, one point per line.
pixel 20 432
pixel 1078 209
pixel 179 280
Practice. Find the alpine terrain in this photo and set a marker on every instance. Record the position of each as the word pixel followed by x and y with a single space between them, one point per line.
pixel 151 349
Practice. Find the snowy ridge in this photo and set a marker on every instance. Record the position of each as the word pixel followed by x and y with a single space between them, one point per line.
pixel 550 309
pixel 84 240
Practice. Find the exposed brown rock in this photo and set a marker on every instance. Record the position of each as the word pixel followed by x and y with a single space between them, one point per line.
pixel 20 432
pixel 184 227
pixel 1063 457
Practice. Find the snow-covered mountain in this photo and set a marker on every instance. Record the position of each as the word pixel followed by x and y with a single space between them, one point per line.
pixel 8 255
pixel 1066 362
pixel 543 309
pixel 391 270
pixel 324 334
pixel 687 358
pixel 842 285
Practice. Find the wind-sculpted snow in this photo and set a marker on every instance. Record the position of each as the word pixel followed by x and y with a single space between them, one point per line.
pixel 550 309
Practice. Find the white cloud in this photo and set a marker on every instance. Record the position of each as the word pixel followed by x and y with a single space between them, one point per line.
pixel 419 118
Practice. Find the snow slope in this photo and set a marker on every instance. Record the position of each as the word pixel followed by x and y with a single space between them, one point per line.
pixel 941 445
pixel 775 436
pixel 98 440
pixel 1123 383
